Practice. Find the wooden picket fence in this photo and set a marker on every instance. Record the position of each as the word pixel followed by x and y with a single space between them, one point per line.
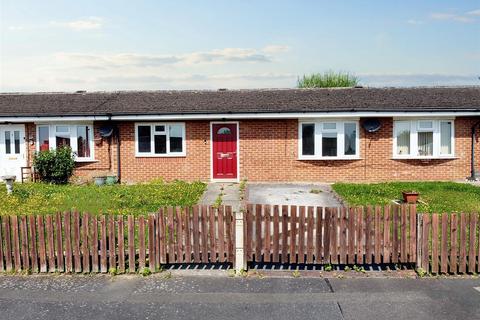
pixel 74 242
pixel 449 243
pixel 316 235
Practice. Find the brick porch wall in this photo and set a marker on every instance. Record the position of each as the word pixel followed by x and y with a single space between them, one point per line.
pixel 268 152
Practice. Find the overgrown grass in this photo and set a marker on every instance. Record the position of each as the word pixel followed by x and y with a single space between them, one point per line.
pixel 40 198
pixel 328 79
pixel 434 196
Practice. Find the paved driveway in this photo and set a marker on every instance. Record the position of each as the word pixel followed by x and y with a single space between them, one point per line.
pixel 295 194
pixel 154 297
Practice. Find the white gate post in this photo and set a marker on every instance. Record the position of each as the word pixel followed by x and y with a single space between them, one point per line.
pixel 240 261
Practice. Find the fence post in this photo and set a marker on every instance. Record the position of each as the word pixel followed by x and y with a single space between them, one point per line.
pixel 240 261
pixel 419 242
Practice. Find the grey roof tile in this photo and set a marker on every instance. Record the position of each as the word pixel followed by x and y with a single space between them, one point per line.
pixel 242 101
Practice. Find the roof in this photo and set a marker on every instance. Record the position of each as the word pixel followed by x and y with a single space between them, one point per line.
pixel 419 99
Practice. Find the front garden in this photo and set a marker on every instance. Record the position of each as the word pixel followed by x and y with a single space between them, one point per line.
pixel 43 198
pixel 434 196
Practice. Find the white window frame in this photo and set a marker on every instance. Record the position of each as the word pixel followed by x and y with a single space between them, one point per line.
pixel 152 153
pixel 414 129
pixel 73 138
pixel 340 131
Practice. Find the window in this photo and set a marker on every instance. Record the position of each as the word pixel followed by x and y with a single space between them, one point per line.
pixel 446 137
pixel 350 139
pixel 62 136
pixel 403 137
pixel 8 147
pixel 43 138
pixel 144 139
pixel 308 139
pixel 423 138
pixel 165 139
pixel 79 137
pixel 224 130
pixel 16 141
pixel 328 140
pixel 83 145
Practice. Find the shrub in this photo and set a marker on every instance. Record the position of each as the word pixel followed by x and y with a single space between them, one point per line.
pixel 328 79
pixel 54 166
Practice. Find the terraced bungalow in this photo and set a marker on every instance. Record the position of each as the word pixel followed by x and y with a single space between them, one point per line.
pixel 297 135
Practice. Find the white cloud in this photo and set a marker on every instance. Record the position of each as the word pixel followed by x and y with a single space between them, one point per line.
pixel 16 28
pixel 275 49
pixel 218 68
pixel 217 56
pixel 415 22
pixel 451 17
pixel 90 23
pixel 225 55
pixel 474 12
pixel 417 79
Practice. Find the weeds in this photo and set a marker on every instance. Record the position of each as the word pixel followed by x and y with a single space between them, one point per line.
pixel 328 79
pixel 145 272
pixel 421 272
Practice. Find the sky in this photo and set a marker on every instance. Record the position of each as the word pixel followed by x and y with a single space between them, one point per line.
pixel 149 45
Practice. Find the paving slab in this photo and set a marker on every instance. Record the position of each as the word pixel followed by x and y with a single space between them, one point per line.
pixel 229 192
pixel 294 194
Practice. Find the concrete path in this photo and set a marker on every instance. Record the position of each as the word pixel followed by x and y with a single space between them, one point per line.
pixel 295 194
pixel 229 193
pixel 156 297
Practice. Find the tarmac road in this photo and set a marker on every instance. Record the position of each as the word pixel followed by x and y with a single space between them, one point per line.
pixel 203 297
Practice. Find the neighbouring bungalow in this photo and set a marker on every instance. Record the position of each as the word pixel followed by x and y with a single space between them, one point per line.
pixel 291 135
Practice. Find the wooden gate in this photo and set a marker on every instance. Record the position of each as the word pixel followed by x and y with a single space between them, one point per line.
pixel 316 235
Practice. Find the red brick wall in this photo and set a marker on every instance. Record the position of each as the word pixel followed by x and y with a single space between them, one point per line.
pixel 195 166
pixel 268 152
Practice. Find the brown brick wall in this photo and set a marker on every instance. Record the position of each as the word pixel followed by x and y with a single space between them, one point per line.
pixel 268 152
pixel 277 160
pixel 195 166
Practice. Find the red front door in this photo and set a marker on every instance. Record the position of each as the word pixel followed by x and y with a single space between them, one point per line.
pixel 224 150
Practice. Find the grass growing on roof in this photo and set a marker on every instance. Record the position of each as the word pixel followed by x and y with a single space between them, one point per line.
pixel 328 79
pixel 41 198
pixel 436 196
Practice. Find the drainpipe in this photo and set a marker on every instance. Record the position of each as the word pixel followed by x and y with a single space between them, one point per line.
pixel 473 175
pixel 117 135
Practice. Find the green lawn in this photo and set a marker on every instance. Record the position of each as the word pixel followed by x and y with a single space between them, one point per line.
pixel 137 199
pixel 437 196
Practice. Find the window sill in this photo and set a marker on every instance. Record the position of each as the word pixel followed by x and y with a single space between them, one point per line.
pixel 86 160
pixel 330 158
pixel 426 158
pixel 180 155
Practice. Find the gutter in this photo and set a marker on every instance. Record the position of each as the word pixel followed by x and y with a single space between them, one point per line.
pixel 17 119
pixel 257 115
